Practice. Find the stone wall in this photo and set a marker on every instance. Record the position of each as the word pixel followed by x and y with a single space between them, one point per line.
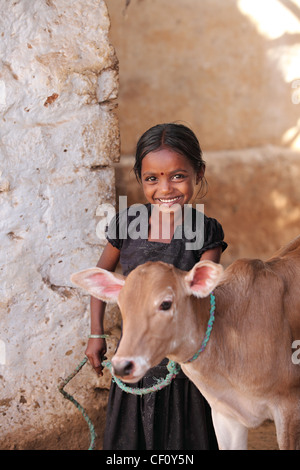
pixel 59 139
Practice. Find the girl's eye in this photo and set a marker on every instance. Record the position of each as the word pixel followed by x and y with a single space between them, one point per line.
pixel 166 305
pixel 178 176
pixel 151 179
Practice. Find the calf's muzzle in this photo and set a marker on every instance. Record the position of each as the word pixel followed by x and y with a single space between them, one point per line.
pixel 122 367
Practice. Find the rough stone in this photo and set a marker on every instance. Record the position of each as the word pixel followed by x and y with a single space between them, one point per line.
pixel 59 139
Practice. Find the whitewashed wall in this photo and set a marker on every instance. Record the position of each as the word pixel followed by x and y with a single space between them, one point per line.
pixel 58 140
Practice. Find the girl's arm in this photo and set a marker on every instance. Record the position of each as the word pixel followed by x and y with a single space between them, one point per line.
pixel 212 255
pixel 96 347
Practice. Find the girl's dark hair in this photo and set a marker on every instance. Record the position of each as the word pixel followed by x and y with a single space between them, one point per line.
pixel 176 137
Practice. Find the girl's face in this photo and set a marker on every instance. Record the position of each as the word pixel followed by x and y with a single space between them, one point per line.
pixel 168 178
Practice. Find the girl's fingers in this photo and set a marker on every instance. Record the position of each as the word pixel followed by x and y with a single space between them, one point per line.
pixel 99 369
pixel 97 365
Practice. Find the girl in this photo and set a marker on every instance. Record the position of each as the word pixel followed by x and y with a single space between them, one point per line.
pixel 169 166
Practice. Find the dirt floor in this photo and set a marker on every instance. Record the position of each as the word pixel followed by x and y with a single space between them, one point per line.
pixel 74 435
pixel 263 438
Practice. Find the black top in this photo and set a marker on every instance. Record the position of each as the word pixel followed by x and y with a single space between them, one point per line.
pixel 177 417
pixel 183 251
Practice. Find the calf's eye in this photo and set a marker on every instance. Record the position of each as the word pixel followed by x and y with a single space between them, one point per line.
pixel 166 305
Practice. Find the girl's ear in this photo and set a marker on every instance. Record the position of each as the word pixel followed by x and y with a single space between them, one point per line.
pixel 203 278
pixel 102 284
pixel 200 174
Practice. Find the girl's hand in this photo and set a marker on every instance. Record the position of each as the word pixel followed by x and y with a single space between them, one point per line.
pixel 95 351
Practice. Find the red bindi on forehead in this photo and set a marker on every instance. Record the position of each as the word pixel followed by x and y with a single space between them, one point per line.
pixel 162 174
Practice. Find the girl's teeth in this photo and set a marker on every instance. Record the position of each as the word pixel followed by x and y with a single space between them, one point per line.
pixel 168 200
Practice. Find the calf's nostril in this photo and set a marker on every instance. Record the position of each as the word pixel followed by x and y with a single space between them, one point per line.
pixel 128 368
pixel 123 368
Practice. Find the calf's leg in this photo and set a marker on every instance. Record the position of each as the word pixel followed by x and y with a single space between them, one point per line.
pixel 231 434
pixel 287 422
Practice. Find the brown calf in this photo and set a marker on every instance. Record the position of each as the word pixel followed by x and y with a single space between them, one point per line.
pixel 246 371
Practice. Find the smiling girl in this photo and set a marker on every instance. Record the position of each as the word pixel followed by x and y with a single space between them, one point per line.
pixel 169 166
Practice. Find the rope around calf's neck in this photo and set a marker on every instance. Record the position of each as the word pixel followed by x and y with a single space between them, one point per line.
pixel 172 367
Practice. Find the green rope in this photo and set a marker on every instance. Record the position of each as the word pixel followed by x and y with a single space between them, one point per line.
pixel 172 367
pixel 208 330
pixel 72 399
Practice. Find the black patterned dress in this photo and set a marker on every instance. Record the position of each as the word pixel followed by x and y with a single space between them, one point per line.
pixel 178 416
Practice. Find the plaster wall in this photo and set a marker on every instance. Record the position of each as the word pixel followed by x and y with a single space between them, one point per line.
pixel 59 138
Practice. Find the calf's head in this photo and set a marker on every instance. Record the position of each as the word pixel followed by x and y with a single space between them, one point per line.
pixel 157 304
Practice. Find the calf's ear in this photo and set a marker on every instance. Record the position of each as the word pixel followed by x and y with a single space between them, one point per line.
pixel 203 278
pixel 102 284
